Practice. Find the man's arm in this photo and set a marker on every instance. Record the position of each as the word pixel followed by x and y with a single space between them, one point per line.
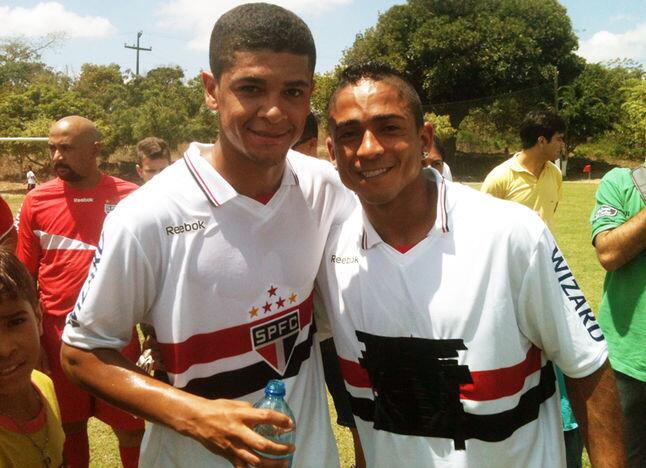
pixel 618 246
pixel 225 427
pixel 595 403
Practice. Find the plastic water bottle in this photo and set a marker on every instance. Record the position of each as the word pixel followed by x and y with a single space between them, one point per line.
pixel 275 400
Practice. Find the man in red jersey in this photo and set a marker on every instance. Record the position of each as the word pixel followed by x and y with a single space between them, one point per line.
pixel 59 228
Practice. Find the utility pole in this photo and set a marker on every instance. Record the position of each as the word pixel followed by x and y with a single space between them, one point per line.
pixel 137 48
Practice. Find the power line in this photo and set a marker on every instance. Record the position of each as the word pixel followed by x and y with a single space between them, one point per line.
pixel 137 48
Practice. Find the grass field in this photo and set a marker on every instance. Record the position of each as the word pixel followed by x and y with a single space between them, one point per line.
pixel 572 233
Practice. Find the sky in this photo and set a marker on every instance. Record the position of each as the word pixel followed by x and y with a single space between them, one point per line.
pixel 96 31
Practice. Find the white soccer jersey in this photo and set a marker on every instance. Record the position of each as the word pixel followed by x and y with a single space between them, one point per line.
pixel 445 350
pixel 227 283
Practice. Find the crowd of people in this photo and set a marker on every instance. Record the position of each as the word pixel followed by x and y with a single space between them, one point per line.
pixel 446 322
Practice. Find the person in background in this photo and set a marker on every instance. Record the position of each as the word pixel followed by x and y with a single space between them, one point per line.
pixel 59 231
pixel 31 179
pixel 619 238
pixel 154 157
pixel 307 143
pixel 435 159
pixel 445 322
pixel 30 422
pixel 529 176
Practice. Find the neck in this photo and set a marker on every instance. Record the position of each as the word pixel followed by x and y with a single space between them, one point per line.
pixel 23 406
pixel 407 219
pixel 246 176
pixel 86 182
pixel 531 160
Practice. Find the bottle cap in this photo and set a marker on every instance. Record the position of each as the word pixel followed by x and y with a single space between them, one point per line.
pixel 275 388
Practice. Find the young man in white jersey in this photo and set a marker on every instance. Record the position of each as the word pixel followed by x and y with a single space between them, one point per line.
pixel 219 253
pixel 447 306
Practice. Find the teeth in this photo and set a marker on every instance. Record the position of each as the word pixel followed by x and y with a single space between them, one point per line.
pixel 8 370
pixel 376 172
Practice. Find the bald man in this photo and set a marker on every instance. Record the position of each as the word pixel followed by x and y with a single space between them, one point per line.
pixel 58 230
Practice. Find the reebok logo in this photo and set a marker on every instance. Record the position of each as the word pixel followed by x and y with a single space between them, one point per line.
pixel 344 260
pixel 186 227
pixel 83 200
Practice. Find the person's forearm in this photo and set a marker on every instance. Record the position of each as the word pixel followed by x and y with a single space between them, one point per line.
pixel 118 381
pixel 224 427
pixel 596 407
pixel 620 245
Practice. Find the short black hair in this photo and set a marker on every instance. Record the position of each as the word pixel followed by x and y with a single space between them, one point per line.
pixel 310 131
pixel 377 71
pixel 15 281
pixel 537 123
pixel 153 148
pixel 439 147
pixel 258 26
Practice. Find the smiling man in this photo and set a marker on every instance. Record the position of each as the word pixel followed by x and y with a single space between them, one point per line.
pixel 59 226
pixel 444 344
pixel 219 254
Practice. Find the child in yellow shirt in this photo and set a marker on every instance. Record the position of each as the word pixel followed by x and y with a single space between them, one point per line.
pixel 31 434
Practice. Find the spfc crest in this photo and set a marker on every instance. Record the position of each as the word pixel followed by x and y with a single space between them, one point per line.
pixel 274 340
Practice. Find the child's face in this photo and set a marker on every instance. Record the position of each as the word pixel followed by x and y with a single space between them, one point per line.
pixel 20 330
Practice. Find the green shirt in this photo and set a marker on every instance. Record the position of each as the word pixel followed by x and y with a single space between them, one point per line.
pixel 622 313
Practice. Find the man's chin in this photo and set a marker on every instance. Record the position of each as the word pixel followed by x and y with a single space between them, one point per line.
pixel 68 176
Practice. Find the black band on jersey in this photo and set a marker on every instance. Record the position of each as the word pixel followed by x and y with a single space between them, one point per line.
pixel 416 383
pixel 416 386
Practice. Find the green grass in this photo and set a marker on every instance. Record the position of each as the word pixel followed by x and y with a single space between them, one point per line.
pixel 572 233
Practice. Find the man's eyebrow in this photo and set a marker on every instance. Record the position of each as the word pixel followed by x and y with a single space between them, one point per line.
pixel 297 84
pixel 261 81
pixel 375 118
pixel 13 315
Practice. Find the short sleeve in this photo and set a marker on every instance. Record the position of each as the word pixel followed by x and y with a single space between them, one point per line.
pixel 608 212
pixel 118 291
pixel 555 316
pixel 28 249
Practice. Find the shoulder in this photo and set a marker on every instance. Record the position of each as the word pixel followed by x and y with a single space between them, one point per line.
pixel 315 175
pixel 494 217
pixel 42 381
pixel 308 166
pixel 501 173
pixel 120 185
pixel 617 176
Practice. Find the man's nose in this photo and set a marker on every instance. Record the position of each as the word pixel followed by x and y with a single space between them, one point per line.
pixel 370 146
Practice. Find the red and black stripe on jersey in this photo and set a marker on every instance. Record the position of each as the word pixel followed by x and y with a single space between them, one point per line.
pixel 417 386
pixel 235 341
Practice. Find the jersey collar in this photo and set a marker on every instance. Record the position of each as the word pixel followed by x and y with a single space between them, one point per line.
pixel 370 238
pixel 216 189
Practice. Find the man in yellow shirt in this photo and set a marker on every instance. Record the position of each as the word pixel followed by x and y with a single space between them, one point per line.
pixel 529 176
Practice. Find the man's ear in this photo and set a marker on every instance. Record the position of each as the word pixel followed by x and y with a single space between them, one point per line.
pixel 427 135
pixel 140 171
pixel 210 85
pixel 330 150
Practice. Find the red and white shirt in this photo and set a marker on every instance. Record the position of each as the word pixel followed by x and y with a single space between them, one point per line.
pixel 445 350
pixel 58 232
pixel 227 283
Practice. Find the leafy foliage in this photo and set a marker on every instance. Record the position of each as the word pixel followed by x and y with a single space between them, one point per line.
pixel 456 51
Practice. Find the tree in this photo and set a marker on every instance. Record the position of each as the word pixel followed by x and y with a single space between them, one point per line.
pixel 457 51
pixel 593 103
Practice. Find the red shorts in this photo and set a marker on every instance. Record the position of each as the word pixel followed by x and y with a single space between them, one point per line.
pixel 77 405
